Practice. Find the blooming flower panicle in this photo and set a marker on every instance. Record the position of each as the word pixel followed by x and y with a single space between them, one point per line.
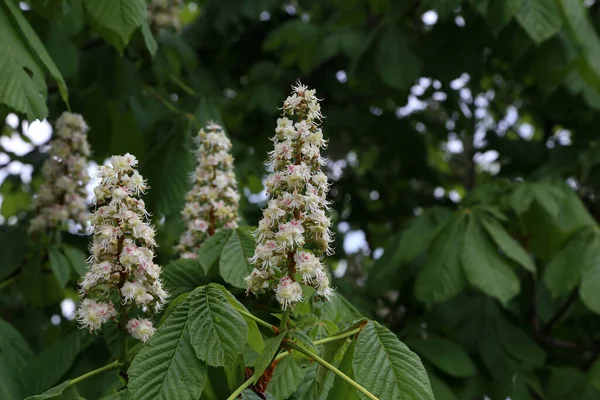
pixel 62 195
pixel 294 234
pixel 121 263
pixel 213 201
pixel 164 14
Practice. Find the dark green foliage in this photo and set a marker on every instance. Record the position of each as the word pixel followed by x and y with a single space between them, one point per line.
pixel 493 282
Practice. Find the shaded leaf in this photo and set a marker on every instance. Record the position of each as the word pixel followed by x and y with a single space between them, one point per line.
pixel 444 354
pixel 211 249
pixel 540 19
pixel 234 265
pixel 441 278
pixel 562 274
pixel 265 358
pixel 507 244
pixel 341 389
pixel 59 264
pixel 38 48
pixel 182 276
pixel 484 267
pixel 22 84
pixel 77 259
pixel 287 376
pixel 118 16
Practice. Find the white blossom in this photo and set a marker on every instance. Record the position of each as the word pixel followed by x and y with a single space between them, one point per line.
pixel 62 195
pixel 122 252
pixel 288 292
pixel 293 234
pixel 141 329
pixel 164 14
pixel 213 201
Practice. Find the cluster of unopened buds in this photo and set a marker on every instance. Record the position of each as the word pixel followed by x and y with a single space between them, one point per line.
pixel 213 201
pixel 62 195
pixel 164 14
pixel 293 236
pixel 121 266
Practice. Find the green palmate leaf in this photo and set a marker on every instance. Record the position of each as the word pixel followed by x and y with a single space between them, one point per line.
pixel 588 291
pixel 444 354
pixel 440 389
pixel 331 350
pixel 217 330
pixel 173 304
pixel 288 375
pixel 149 40
pixel 442 277
pixel 14 355
pixel 315 327
pixel 341 389
pixel 211 249
pixel 500 13
pixel 14 349
pixel 265 358
pixel 563 273
pixel 37 377
pixel 387 368
pixel 55 392
pixel 22 84
pixel 540 19
pixel 76 258
pixel 182 276
pixel 302 339
pixel 59 264
pixel 172 150
pixel 507 244
pixel 14 243
pixel 484 267
pixel 234 265
pixel 167 367
pixel 394 61
pixel 9 386
pixel 38 48
pixel 338 310
pixel 547 195
pixel 119 16
pixel 406 247
pixel 518 344
pixel 63 51
pixel 255 339
pixel 581 27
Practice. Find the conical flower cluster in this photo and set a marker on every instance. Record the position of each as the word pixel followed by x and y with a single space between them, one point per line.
pixel 121 266
pixel 62 195
pixel 164 14
pixel 294 235
pixel 213 201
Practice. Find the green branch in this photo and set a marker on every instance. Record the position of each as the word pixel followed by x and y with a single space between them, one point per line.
pixel 325 340
pixel 239 390
pixel 284 319
pixel 112 365
pixel 309 354
pixel 256 319
pixel 8 281
pixel 338 337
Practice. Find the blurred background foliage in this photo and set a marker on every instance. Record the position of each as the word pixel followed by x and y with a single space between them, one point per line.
pixel 463 152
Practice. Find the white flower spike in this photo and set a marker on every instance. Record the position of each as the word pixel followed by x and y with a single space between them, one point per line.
pixel 121 264
pixel 293 236
pixel 62 195
pixel 213 201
